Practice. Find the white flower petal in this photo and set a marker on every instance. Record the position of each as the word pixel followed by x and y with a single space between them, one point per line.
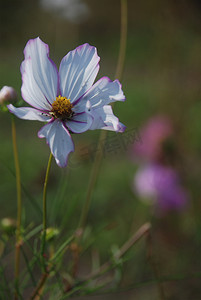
pixel 103 92
pixel 59 141
pixel 28 113
pixel 80 123
pixel 78 70
pixel 39 75
pixel 105 119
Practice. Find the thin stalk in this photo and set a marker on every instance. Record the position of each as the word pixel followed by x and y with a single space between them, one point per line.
pixel 142 231
pixel 109 265
pixel 154 267
pixel 39 288
pixel 123 40
pixel 19 209
pixel 92 179
pixel 99 153
pixel 45 204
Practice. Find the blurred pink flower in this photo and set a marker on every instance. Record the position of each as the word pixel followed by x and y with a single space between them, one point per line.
pixel 160 185
pixel 153 134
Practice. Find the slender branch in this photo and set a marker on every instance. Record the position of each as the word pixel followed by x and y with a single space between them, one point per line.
pixel 19 208
pixel 99 153
pixel 144 229
pixel 39 289
pixel 154 267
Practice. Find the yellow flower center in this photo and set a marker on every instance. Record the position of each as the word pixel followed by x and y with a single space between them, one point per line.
pixel 62 108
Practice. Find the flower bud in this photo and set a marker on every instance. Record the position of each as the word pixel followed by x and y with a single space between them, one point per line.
pixel 7 94
pixel 8 226
pixel 51 233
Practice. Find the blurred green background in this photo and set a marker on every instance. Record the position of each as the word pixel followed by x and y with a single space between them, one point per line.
pixel 162 75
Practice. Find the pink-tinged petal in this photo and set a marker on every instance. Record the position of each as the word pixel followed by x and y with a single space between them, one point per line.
pixel 103 92
pixel 80 123
pixel 59 140
pixel 39 75
pixel 28 113
pixel 78 70
pixel 105 119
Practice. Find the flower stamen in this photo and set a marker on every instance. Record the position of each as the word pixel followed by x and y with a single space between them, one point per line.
pixel 62 108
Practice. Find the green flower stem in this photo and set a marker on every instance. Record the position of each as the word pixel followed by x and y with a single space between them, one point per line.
pixel 19 208
pixel 123 40
pixel 99 153
pixel 45 204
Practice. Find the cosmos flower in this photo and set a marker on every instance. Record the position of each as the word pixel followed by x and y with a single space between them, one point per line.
pixel 66 99
pixel 160 185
